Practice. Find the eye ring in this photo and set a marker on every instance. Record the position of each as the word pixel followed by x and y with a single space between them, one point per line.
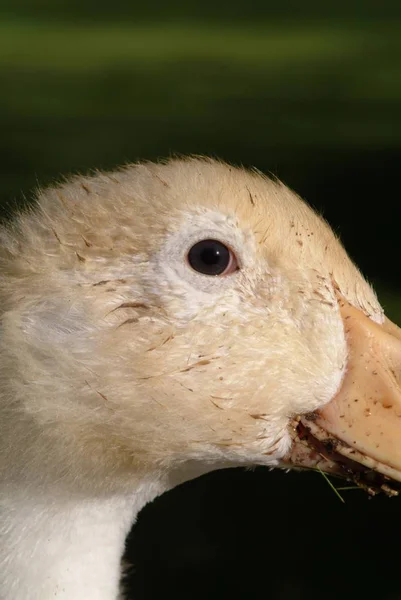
pixel 212 257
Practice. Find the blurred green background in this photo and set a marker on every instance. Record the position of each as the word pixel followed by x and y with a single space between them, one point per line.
pixel 309 91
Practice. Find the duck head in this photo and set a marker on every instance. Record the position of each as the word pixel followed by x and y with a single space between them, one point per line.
pixel 191 313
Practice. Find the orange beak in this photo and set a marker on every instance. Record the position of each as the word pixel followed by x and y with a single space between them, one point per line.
pixel 358 434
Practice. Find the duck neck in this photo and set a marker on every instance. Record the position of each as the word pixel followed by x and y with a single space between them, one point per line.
pixel 67 546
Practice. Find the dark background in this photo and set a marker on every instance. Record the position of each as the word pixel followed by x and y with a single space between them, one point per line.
pixel 309 91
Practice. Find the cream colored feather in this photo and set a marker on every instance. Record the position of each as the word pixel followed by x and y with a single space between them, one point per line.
pixel 123 371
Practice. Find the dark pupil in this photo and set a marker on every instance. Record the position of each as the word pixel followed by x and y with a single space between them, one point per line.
pixel 209 257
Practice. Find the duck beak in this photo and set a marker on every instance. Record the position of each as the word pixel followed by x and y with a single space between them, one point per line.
pixel 358 434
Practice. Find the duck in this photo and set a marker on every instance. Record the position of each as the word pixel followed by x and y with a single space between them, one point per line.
pixel 161 321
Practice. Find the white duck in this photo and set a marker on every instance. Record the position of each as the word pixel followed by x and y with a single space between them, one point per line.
pixel 163 321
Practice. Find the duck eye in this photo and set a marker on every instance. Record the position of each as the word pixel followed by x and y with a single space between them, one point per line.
pixel 211 257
